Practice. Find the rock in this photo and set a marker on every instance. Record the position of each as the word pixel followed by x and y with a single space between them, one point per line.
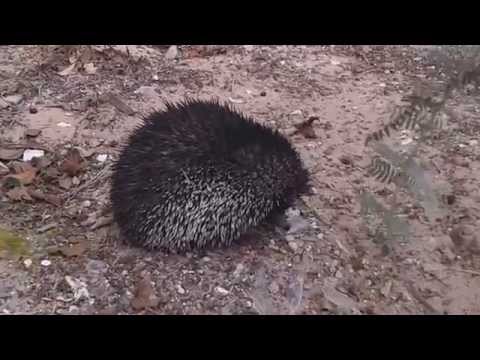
pixel 96 267
pixel 29 154
pixel 221 291
pixel 293 245
pixel 14 99
pixel 102 158
pixel 90 68
pixel 465 237
pixel 172 53
pixel 180 289
pixel 27 263
pixel 473 142
pixel 45 263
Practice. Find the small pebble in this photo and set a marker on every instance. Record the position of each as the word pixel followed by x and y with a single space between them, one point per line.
pixel 221 290
pixel 171 53
pixel 33 110
pixel 27 263
pixel 63 124
pixel 293 245
pixel 87 203
pixel 180 289
pixel 102 157
pixel 45 263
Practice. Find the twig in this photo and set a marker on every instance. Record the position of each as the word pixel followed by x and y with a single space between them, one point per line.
pixel 467 271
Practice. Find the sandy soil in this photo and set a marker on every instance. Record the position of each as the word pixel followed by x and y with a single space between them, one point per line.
pixel 89 98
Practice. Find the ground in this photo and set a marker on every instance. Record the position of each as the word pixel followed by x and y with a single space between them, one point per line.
pixel 60 252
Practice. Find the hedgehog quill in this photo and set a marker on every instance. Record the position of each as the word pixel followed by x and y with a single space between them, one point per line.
pixel 200 175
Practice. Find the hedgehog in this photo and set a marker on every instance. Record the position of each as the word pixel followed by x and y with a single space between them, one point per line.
pixel 199 175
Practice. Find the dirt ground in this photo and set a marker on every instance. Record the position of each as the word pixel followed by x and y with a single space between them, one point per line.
pixel 60 253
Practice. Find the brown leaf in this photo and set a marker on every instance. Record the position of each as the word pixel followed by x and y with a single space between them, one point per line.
pixel 306 128
pixel 10 154
pixel 73 163
pixel 73 250
pixel 19 193
pixel 144 295
pixel 51 199
pixel 24 173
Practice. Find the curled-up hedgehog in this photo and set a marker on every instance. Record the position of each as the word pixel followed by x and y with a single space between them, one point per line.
pixel 200 175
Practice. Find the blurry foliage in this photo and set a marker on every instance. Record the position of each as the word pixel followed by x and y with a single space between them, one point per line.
pixel 422 113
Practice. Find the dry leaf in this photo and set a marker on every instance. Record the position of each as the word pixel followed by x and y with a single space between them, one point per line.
pixel 306 128
pixel 18 193
pixel 24 173
pixel 73 163
pixel 144 295
pixel 10 154
pixel 73 250
pixel 68 70
pixel 51 199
